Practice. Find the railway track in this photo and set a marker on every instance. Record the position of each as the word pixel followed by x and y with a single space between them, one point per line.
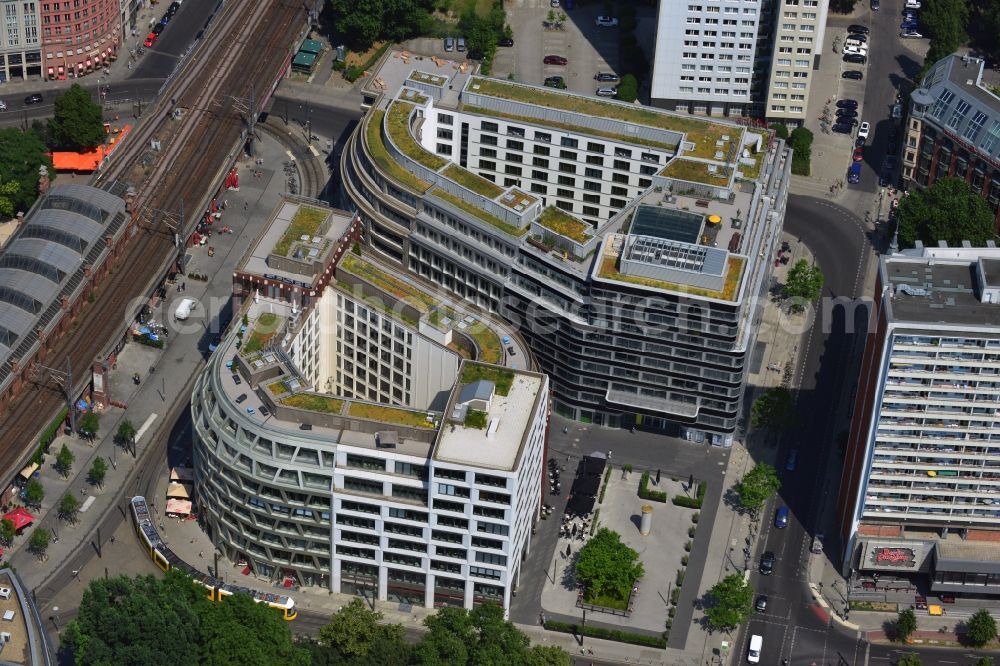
pixel 207 133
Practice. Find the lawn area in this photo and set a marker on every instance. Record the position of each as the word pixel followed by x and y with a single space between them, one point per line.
pixel 564 224
pixel 702 133
pixel 389 415
pixel 371 273
pixel 734 271
pixel 502 379
pixel 398 126
pixel 472 181
pixel 376 147
pixel 490 349
pixel 314 403
pixel 696 172
pixel 265 328
pixel 607 602
pixel 480 213
pixel 306 222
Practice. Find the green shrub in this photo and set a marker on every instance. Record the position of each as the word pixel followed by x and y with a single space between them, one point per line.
pixel 608 634
pixel 695 502
pixel 593 525
pixel 684 560
pixel 780 130
pixel 687 546
pixel 694 518
pixel 671 612
pixel 680 577
pixel 691 531
pixel 647 494
pixel 675 595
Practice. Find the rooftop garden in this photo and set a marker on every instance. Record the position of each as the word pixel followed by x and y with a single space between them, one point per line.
pixel 472 181
pixel 704 134
pixel 265 328
pixel 502 379
pixel 753 172
pixel 440 314
pixel 404 417
pixel 424 77
pixel 462 204
pixel 696 172
pixel 490 349
pixel 314 402
pixel 564 224
pixel 734 271
pixel 390 284
pixel 570 127
pixel 475 418
pixel 277 388
pixel 306 222
pixel 516 198
pixel 398 127
pixel 376 148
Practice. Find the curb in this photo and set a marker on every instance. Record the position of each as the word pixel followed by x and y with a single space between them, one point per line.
pixel 829 609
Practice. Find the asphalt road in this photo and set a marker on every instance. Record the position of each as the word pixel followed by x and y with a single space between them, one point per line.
pixel 888 655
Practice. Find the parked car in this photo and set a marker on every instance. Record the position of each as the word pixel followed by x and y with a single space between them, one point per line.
pixel 158 28
pixel 555 82
pixel 846 113
pixel 505 41
pixel 855 58
pixel 150 40
pixel 908 26
pixel 475 54
pixel 767 563
pixel 460 44
pixel 854 173
pixel 875 5
pixel 859 153
pixel 791 460
pixel 910 34
pixel 511 351
pixel 554 60
pixel 860 141
pixel 241 398
pixel 761 604
pixel 860 29
pixel 856 50
pixel 607 92
pixel 33 99
pixel 165 19
pixel 912 4
pixel 606 77
pixel 857 37
pixel 172 9
pixel 449 43
pixel 842 128
pixel 817 545
pixel 606 22
pixel 855 74
pixel 847 103
pixel 554 3
pixel 781 517
pixel 864 130
pixel 909 16
pixel 236 379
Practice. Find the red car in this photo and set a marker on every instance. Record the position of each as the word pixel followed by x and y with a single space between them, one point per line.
pixel 150 39
pixel 555 60
pixel 859 153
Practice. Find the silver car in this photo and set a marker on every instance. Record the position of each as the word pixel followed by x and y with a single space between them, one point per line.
pixel 449 43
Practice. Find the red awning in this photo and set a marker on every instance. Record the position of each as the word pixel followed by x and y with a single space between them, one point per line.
pixel 20 517
pixel 79 65
pixel 51 71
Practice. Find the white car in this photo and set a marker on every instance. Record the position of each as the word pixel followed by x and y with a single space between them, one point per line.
pixel 856 50
pixel 864 130
pixel 912 4
pixel 606 22
pixel 911 34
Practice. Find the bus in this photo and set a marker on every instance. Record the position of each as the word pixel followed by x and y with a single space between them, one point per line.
pixel 166 559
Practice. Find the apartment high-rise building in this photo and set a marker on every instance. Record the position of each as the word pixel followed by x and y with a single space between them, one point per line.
pixel 737 57
pixel 920 491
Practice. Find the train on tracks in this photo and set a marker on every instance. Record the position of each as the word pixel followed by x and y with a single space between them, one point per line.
pixel 166 559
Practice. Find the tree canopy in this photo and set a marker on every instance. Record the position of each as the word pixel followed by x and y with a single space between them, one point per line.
pixel 805 282
pixel 945 21
pixel 947 210
pixel 361 23
pixel 39 540
pixel 76 123
pixel 909 659
pixel 21 154
pixel 905 625
pixel 628 88
pixel 730 603
pixel 355 629
pixel 608 567
pixel 64 460
pixel 757 486
pixel 98 470
pixel 981 628
pixel 69 507
pixel 774 409
pixel 34 493
pixel 89 423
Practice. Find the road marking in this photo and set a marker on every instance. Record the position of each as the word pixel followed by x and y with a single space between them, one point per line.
pixel 145 426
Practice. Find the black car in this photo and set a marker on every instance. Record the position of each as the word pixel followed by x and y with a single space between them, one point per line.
pixel 607 77
pixel 847 113
pixel 857 36
pixel 855 74
pixel 761 603
pixel 166 19
pixel 172 9
pixel 33 99
pixel 855 58
pixel 847 103
pixel 505 41
pixel 847 120
pixel 157 29
pixel 842 128
pixel 859 142
pixel 767 563
pixel 860 29
pixel 555 82
pixel 475 54
pixel 236 379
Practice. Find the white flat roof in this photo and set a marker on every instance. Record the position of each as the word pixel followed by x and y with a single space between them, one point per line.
pixel 513 412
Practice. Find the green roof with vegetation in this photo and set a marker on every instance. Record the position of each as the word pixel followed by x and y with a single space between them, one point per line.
pixel 472 181
pixel 314 403
pixel 734 271
pixel 490 349
pixel 696 172
pixel 278 387
pixel 704 134
pixel 264 329
pixel 404 291
pixel 398 127
pixel 564 224
pixel 440 313
pixel 475 418
pixel 424 77
pixel 376 148
pixel 753 172
pixel 502 379
pixel 385 414
pixel 305 222
pixel 464 205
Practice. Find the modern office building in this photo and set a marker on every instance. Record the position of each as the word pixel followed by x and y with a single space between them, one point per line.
pixel 737 57
pixel 631 247
pixel 920 492
pixel 20 45
pixel 339 446
pixel 953 129
pixel 79 37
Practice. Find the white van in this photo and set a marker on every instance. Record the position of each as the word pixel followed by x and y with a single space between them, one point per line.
pixel 756 643
pixel 183 310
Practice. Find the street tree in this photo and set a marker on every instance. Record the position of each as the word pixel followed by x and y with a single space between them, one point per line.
pixel 8 195
pixel 628 88
pixel 607 567
pixel 905 625
pixel 89 424
pixel 98 471
pixel 34 493
pixel 69 507
pixel 757 486
pixel 947 210
pixel 773 409
pixel 730 603
pixel 354 629
pixel 21 155
pixel 7 531
pixel 780 130
pixel 64 461
pixel 38 543
pixel 126 434
pixel 76 122
pixel 804 283
pixel 981 628
pixel 364 22
pixel 244 632
pixel 984 661
pixel 909 659
pixel 946 22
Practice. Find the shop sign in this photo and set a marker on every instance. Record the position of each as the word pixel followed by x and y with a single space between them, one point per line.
pixel 894 557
